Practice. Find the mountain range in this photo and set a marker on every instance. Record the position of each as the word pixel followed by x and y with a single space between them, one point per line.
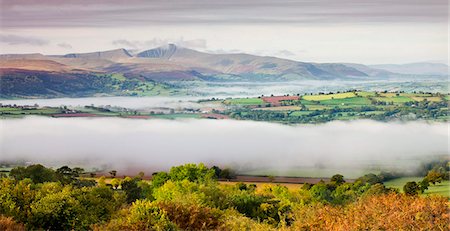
pixel 169 63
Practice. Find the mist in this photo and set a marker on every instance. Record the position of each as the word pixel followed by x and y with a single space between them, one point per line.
pixel 152 145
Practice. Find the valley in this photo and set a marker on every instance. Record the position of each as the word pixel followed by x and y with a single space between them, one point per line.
pixel 305 108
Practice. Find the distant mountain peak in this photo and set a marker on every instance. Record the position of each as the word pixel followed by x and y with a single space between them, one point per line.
pixel 110 54
pixel 162 52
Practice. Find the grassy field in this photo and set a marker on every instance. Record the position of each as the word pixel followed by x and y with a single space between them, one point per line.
pixel 315 107
pixel 430 99
pixel 346 101
pixel 300 113
pixel 328 97
pixel 244 101
pixel 394 99
pixel 365 93
pixel 7 112
pixel 282 108
pixel 441 189
pixel 175 116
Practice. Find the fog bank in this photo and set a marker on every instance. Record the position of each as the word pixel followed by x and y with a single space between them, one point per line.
pixel 152 145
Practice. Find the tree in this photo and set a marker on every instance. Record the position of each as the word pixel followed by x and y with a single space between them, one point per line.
pixel 337 179
pixel 370 179
pixel 66 175
pixel 159 178
pixel 131 189
pixel 424 185
pixel 115 183
pixel 411 188
pixel 191 172
pixel 227 173
pixel 113 173
pixel 37 173
pixel 434 177
pixel 321 192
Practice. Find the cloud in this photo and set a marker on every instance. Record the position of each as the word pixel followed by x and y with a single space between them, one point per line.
pixel 284 53
pixel 156 42
pixel 158 144
pixel 65 45
pixel 99 13
pixel 22 40
pixel 223 51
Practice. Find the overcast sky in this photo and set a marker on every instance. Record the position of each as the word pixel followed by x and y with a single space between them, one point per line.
pixel 375 31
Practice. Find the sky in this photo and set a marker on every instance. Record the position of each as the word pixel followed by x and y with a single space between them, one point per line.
pixel 359 31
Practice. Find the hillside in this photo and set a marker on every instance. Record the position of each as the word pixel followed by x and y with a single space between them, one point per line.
pixel 75 74
pixel 178 63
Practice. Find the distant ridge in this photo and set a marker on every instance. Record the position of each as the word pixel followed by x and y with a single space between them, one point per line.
pixel 421 68
pixel 172 63
pixel 109 55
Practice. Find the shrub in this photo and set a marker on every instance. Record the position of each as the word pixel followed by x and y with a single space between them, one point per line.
pixel 379 212
pixel 141 215
pixel 8 224
pixel 191 216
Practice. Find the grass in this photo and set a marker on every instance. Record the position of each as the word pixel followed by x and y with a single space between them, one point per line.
pixel 175 116
pixel 388 94
pixel 20 112
pixel 430 99
pixel 244 101
pixel 328 97
pixel 365 93
pixel 394 99
pixel 300 113
pixel 282 108
pixel 315 107
pixel 373 112
pixel 440 188
pixel 347 101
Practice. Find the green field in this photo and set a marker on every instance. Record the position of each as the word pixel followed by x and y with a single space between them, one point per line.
pixel 7 112
pixel 440 188
pixel 175 116
pixel 244 101
pixel 300 113
pixel 346 101
pixel 329 96
pixel 365 93
pixel 380 106
pixel 394 99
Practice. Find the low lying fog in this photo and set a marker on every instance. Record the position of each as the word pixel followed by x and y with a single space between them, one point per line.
pixel 151 145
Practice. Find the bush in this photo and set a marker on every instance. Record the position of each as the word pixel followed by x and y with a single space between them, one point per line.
pixel 142 215
pixel 8 224
pixel 191 216
pixel 411 188
pixel 380 212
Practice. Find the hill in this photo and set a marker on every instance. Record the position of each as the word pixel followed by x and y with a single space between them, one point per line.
pixel 179 63
pixel 162 64
pixel 415 68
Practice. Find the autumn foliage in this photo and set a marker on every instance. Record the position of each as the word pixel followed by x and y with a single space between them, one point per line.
pixel 8 224
pixel 381 212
